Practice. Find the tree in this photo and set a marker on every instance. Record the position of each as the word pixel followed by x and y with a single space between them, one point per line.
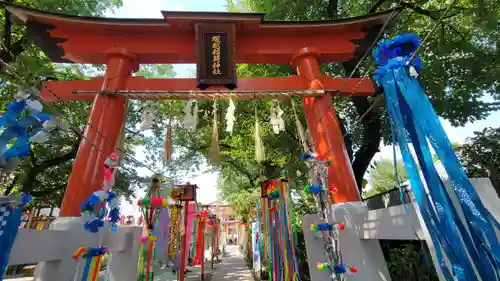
pixel 44 173
pixel 452 78
pixel 382 177
pixel 480 155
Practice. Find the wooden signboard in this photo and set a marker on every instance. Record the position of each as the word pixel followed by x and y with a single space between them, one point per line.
pixel 215 43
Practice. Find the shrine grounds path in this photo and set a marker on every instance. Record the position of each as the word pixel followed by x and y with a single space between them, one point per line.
pixel 232 268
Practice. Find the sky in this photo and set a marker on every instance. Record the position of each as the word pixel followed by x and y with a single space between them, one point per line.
pixel 207 181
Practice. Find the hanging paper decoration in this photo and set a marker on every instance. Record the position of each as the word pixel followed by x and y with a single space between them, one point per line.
pixel 168 145
pixel 191 115
pixel 147 120
pixel 230 117
pixel 283 241
pixel 276 120
pixel 471 245
pixel 188 118
pixel 23 120
pixel 93 222
pixel 151 206
pixel 300 130
pixel 163 232
pixel 173 243
pixel 214 148
pixel 109 171
pixel 260 154
pixel 201 218
pixel 11 209
pixel 327 229
pixel 91 263
pixel 51 128
pixel 195 116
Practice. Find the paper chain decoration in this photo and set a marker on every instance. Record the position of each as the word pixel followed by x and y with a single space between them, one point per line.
pixel 338 269
pixel 320 189
pixel 93 222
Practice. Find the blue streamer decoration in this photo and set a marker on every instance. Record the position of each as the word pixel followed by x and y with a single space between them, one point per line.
pixel 415 122
pixel 22 121
pixel 10 220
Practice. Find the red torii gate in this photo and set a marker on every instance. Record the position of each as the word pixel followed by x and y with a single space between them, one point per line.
pixel 124 44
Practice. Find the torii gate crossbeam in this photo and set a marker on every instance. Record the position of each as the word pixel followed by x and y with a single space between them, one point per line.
pixel 124 44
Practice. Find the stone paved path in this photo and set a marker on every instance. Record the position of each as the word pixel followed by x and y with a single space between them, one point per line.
pixel 233 267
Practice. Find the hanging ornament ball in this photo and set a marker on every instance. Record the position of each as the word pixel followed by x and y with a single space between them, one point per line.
pixel 322 266
pixel 332 188
pixel 340 268
pixel 340 225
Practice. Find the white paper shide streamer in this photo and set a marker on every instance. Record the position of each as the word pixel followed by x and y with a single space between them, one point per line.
pixel 191 115
pixel 277 122
pixel 50 128
pixel 230 117
pixel 147 119
pixel 260 154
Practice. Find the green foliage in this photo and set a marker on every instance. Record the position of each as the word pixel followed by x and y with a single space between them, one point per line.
pixel 459 70
pixel 44 173
pixel 407 264
pixel 480 155
pixel 382 177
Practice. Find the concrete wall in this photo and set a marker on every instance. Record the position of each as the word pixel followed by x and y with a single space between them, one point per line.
pixel 365 227
pixel 53 248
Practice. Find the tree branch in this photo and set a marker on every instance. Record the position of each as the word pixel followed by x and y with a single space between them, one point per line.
pixel 375 6
pixel 10 51
pixel 29 178
pixel 240 169
pixel 332 9
pixel 432 15
pixel 11 185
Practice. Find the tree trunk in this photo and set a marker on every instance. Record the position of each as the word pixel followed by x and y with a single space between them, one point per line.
pixel 372 134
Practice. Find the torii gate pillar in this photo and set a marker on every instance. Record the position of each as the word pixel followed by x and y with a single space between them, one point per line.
pixel 101 133
pixel 325 129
